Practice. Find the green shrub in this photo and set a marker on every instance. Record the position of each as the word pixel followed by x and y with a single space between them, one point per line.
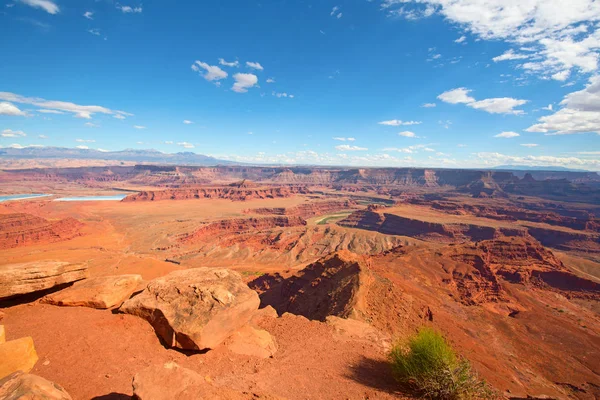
pixel 427 365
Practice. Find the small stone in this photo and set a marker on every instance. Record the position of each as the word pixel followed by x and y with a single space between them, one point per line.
pixel 22 386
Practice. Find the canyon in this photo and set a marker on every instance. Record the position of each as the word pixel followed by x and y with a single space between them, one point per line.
pixel 344 261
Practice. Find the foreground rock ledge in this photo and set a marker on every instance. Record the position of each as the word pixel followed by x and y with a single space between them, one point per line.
pixel 195 309
pixel 172 382
pixel 24 278
pixel 22 386
pixel 17 355
pixel 101 292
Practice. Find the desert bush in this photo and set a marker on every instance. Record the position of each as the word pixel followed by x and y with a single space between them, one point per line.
pixel 427 365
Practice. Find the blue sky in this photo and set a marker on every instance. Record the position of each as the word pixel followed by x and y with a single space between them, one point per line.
pixel 446 83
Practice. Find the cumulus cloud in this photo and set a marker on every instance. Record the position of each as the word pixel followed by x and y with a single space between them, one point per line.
pixel 229 64
pixel 335 12
pixel 85 140
pixel 243 82
pixel 186 145
pixel 408 134
pixel 129 10
pixel 43 111
pixel 10 109
pixel 580 113
pixel 79 110
pixel 11 133
pixel 347 147
pixel 91 125
pixel 254 65
pixel 270 80
pixel 564 36
pixel 187 122
pixel 460 39
pixel 411 149
pixel 529 145
pixel 494 159
pixel 499 105
pixel 212 72
pixel 88 14
pixel 46 5
pixel 397 122
pixel 510 55
pixel 82 147
pixel 343 139
pixel 507 135
pixel 43 136
pixel 429 105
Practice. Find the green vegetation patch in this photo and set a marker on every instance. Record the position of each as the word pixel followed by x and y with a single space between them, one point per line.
pixel 332 218
pixel 428 366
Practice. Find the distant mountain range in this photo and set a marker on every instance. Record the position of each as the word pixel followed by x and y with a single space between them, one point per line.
pixel 534 168
pixel 141 156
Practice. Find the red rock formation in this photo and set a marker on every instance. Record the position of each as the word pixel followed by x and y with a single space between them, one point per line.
pixel 232 193
pixel 24 229
pixel 308 210
pixel 240 225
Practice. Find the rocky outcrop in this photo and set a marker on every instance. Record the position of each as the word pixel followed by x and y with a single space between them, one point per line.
pixel 24 278
pixel 17 355
pixel 172 382
pixel 252 342
pixel 567 240
pixel 23 386
pixel 308 210
pixel 195 309
pixel 359 330
pixel 241 225
pixel 20 229
pixel 100 292
pixel 231 193
pixel 392 224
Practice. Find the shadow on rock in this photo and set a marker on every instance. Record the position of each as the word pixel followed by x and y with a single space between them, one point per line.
pixel 374 373
pixel 113 396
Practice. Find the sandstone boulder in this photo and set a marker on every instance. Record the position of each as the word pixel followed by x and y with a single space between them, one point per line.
pixel 172 382
pixel 22 386
pixel 17 355
pixel 359 330
pixel 18 279
pixel 252 342
pixel 100 292
pixel 2 334
pixel 195 309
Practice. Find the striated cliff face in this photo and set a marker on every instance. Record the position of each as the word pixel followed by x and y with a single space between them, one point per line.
pixel 308 210
pixel 391 224
pixel 20 229
pixel 231 193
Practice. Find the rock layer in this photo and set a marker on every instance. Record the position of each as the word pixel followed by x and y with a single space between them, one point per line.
pixel 100 292
pixel 195 309
pixel 231 193
pixel 17 355
pixel 22 386
pixel 21 229
pixel 24 278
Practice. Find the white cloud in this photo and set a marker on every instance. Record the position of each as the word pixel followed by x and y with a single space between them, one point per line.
pixel 43 111
pixel 460 39
pixel 10 109
pixel 270 80
pixel 570 162
pixel 187 122
pixel 408 134
pixel 397 122
pixel 347 147
pixel 79 111
pixel 529 145
pixel 11 133
pixel 580 113
pixel 88 14
pixel 429 105
pixel 213 73
pixel 82 147
pixel 284 94
pixel 139 127
pixel 186 145
pixel 118 116
pixel 103 150
pixel 254 65
pixel 94 31
pixel 507 135
pixel 91 125
pixel 510 55
pixel 85 140
pixel 339 15
pixel 46 5
pixel 548 108
pixel 456 96
pixel 499 105
pixel 129 10
pixel 411 149
pixel 343 139
pixel 229 64
pixel 43 136
pixel 168 142
pixel 566 35
pixel 243 82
